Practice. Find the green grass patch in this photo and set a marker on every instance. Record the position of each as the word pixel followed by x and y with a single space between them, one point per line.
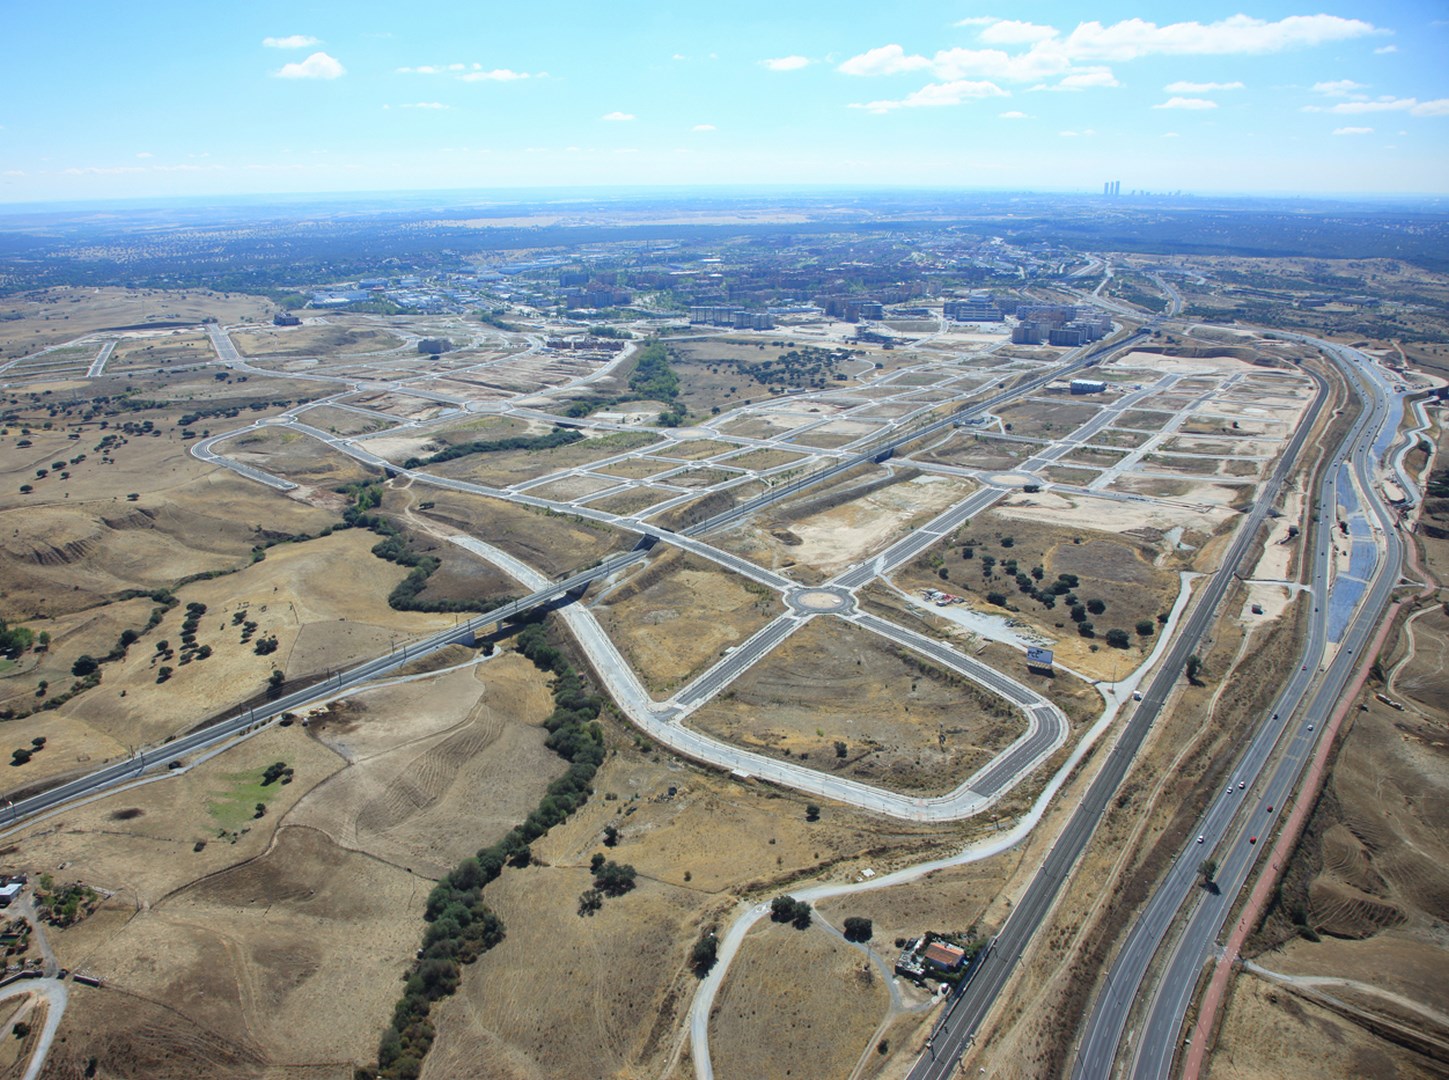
pixel 235 806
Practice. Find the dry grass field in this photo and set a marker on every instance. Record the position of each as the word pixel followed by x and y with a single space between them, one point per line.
pixel 309 597
pixel 437 766
pixel 330 338
pixel 227 935
pixel 53 315
pixel 552 543
pixel 631 501
pixel 795 1003
pixel 903 723
pixel 297 457
pixel 1132 575
pixel 1273 1032
pixel 503 467
pixel 677 614
pixel 975 450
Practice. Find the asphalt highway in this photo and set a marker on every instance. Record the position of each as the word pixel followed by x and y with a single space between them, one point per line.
pixel 969 1007
pixel 1238 813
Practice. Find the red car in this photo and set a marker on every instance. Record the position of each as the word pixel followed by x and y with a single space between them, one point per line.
pixel 1252 839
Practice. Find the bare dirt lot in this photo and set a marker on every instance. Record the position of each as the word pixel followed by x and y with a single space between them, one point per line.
pixel 902 723
pixel 838 525
pixel 678 614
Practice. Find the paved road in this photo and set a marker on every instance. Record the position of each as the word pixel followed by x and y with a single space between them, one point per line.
pixel 848 791
pixel 1238 813
pixel 98 366
pixel 970 1006
pixel 57 997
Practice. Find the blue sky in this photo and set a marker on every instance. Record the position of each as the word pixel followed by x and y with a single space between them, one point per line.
pixel 101 100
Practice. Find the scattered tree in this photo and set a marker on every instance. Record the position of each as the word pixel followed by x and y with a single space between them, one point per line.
pixel 812 812
pixel 705 952
pixel 858 929
pixel 614 879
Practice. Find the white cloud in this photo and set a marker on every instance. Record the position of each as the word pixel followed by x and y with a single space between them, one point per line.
pixel 1237 34
pixel 1087 80
pixel 1353 131
pixel 1412 106
pixel 425 105
pixel 617 116
pixel 292 41
pixel 1338 88
pixel 703 127
pixel 1013 32
pixel 1200 87
pixel 886 60
pixel 935 95
pixel 1038 62
pixel 145 154
pixel 785 63
pixel 1085 133
pixel 317 66
pixel 1384 50
pixel 978 20
pixel 1013 115
pixel 1091 42
pixel 499 75
pixel 1170 135
pixel 680 56
pixel 1187 103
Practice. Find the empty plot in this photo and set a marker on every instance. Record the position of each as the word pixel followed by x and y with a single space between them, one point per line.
pixel 677 615
pixel 901 721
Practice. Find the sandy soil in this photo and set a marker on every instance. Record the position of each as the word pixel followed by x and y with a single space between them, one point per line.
pixel 840 534
pixel 1050 508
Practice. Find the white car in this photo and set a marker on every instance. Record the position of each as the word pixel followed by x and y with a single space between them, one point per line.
pixel 1199 839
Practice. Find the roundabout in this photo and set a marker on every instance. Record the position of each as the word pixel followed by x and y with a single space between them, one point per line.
pixel 826 601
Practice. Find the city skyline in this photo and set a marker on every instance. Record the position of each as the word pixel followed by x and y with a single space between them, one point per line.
pixel 1269 99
